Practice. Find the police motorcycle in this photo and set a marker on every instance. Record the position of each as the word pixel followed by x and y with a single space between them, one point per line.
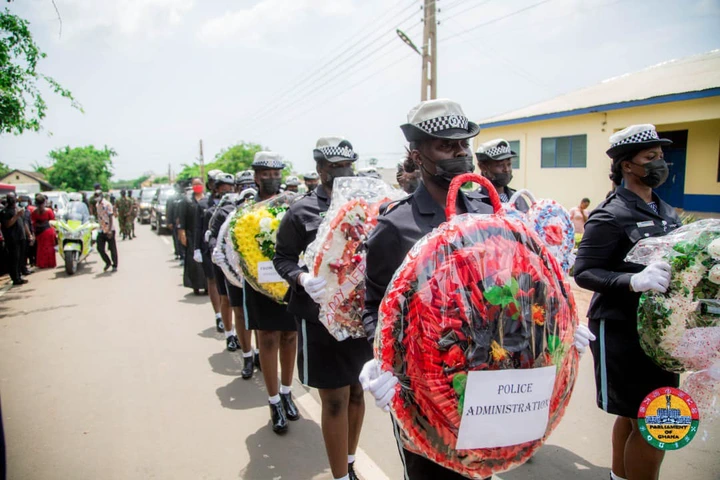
pixel 74 231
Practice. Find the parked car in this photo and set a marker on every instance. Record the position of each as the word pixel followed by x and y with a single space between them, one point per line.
pixel 59 202
pixel 146 197
pixel 158 217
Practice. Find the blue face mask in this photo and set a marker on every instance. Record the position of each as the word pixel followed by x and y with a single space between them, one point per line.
pixel 23 204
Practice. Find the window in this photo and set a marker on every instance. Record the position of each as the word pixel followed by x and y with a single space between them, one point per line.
pixel 515 147
pixel 564 152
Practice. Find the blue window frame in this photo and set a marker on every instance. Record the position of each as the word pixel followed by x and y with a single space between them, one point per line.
pixel 564 152
pixel 515 147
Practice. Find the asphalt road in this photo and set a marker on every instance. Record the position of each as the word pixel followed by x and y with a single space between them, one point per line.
pixel 123 376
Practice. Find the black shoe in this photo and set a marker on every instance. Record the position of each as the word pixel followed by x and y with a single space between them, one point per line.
pixel 290 409
pixel 278 418
pixel 257 361
pixel 114 269
pixel 22 281
pixel 219 325
pixel 248 368
pixel 107 267
pixel 351 472
pixel 27 272
pixel 231 342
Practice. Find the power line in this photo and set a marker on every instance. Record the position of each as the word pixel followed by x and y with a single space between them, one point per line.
pixel 307 90
pixel 326 65
pixel 516 12
pixel 472 7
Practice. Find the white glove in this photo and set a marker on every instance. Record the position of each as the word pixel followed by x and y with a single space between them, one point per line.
pixel 217 256
pixel 583 337
pixel 314 286
pixel 207 235
pixel 380 384
pixel 197 256
pixel 655 277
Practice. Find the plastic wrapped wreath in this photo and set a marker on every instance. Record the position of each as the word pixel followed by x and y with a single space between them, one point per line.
pixel 338 252
pixel 680 329
pixel 231 263
pixel 551 222
pixel 478 294
pixel 254 234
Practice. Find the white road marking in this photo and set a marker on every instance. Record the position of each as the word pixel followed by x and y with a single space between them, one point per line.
pixel 363 463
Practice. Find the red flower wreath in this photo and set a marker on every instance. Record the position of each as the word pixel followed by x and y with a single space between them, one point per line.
pixel 342 312
pixel 481 292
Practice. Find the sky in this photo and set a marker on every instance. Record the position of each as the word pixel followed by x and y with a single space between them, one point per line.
pixel 156 76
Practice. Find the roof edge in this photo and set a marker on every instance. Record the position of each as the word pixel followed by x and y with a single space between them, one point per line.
pixel 673 97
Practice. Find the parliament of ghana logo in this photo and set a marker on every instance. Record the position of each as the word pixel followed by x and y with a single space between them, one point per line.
pixel 668 418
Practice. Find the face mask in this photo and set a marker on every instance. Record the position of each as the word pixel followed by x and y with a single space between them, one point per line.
pixel 23 204
pixel 98 192
pixel 198 189
pixel 502 179
pixel 656 172
pixel 270 186
pixel 340 172
pixel 446 170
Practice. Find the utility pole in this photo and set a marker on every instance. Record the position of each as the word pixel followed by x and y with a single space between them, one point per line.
pixel 429 53
pixel 169 174
pixel 202 162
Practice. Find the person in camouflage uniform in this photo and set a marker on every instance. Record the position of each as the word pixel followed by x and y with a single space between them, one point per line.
pixel 134 211
pixel 123 207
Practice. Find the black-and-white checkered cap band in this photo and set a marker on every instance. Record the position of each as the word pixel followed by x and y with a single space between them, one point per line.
pixel 268 163
pixel 438 124
pixel 644 136
pixel 499 150
pixel 330 152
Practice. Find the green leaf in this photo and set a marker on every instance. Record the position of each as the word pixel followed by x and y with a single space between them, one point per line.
pixel 494 295
pixel 553 343
pixel 459 382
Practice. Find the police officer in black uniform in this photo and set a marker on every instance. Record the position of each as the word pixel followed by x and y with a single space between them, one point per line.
pixel 201 253
pixel 624 375
pixel 312 180
pixel 276 327
pixel 439 133
pixel 324 363
pixel 495 162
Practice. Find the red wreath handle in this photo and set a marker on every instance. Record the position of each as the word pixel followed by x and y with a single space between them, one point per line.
pixel 458 181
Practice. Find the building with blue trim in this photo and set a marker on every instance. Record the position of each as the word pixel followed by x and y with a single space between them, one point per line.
pixel 562 142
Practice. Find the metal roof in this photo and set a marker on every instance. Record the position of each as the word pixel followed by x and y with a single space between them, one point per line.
pixel 697 76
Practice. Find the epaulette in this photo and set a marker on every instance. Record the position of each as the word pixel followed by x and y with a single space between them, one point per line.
pixel 388 207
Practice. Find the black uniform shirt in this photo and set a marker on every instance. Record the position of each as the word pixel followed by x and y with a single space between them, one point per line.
pixel 611 231
pixel 297 230
pixel 14 234
pixel 399 228
pixel 222 212
pixel 201 222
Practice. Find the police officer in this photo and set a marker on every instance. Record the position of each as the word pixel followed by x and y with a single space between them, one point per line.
pixel 323 362
pixel 495 162
pixel 244 180
pixel 201 252
pixel 439 133
pixel 624 375
pixel 291 184
pixel 274 324
pixel 311 180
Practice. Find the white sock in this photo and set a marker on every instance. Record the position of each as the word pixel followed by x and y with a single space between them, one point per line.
pixel 351 458
pixel 218 315
pixel 257 352
pixel 284 390
pixel 616 477
pixel 248 354
pixel 346 477
pixel 275 399
pixel 229 334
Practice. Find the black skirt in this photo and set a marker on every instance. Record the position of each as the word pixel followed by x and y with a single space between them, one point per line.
pixel 324 362
pixel 235 294
pixel 263 313
pixel 207 266
pixel 220 280
pixel 193 274
pixel 624 374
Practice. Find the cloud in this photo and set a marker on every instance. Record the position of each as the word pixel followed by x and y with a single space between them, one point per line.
pixel 127 19
pixel 268 20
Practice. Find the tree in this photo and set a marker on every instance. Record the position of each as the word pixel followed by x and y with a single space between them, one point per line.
pixel 4 169
pixel 231 160
pixel 80 168
pixel 21 105
pixel 161 180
